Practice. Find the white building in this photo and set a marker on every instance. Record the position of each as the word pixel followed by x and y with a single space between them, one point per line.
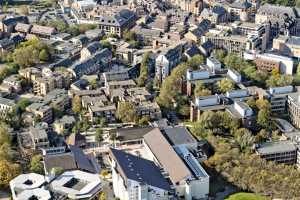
pixel 186 174
pixel 29 186
pixel 234 75
pixel 6 106
pixel 197 74
pixel 243 109
pixel 137 178
pixel 77 185
pixel 213 64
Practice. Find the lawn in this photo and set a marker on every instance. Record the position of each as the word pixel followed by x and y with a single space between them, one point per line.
pixel 245 196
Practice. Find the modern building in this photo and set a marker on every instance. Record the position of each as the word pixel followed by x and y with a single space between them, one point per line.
pixel 137 178
pixel 187 176
pixel 167 60
pixel 279 152
pixel 6 107
pixel 288 46
pixel 29 186
pixel 77 184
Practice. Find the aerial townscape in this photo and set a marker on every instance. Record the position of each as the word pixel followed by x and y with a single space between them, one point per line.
pixel 149 99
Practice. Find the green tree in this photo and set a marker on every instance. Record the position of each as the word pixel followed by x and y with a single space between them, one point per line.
pixel 56 171
pixel 8 171
pixel 126 112
pixel 44 55
pixel 144 70
pixel 36 165
pixel 195 61
pixel 99 135
pixel 24 10
pixel 200 90
pixel 225 85
pixel 264 118
pixel 244 138
pixel 76 104
pixel 220 54
pixel 102 196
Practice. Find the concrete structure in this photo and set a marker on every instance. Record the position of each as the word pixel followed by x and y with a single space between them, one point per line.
pixel 167 60
pixel 213 64
pixel 243 109
pixel 289 46
pixel 186 174
pixel 279 152
pixel 6 106
pixel 137 178
pixel 197 74
pixel 77 185
pixel 234 75
pixel 29 186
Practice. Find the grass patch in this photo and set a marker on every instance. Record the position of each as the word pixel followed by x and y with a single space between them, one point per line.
pixel 245 196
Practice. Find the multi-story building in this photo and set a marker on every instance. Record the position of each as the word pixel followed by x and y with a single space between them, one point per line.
pixel 146 183
pixel 233 43
pixel 187 176
pixel 112 21
pixel 6 107
pixel 278 98
pixel 191 6
pixel 289 46
pixel 167 60
pixel 293 109
pixel 39 138
pixel 282 20
pixel 239 10
pixel 279 152
pixel 268 62
pixel 41 111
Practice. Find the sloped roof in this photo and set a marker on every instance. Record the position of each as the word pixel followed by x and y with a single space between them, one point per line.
pixel 139 169
pixel 166 156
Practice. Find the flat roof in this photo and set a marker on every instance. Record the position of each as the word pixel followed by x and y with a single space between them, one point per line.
pixel 276 147
pixel 179 135
pixel 28 181
pixel 77 184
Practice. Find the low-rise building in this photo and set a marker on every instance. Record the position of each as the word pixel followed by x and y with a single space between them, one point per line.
pixel 6 107
pixel 279 152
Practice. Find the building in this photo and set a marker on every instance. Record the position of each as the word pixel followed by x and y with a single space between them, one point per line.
pixel 77 184
pixel 279 152
pixel 190 6
pixel 29 186
pixel 39 138
pixel 8 24
pixel 243 109
pixel 232 43
pixel 6 107
pixel 293 109
pixel 99 61
pixel 283 20
pixel 268 62
pixel 187 176
pixel 167 60
pixel 278 97
pixel 288 46
pixel 41 111
pixel 239 10
pixel 234 75
pixel 137 178
pixel 217 15
pixel 112 21
pixel 213 64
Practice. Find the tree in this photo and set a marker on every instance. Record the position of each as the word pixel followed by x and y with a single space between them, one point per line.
pixel 264 118
pixel 102 196
pixel 56 171
pixel 225 85
pixel 144 70
pixel 44 55
pixel 144 120
pixel 220 54
pixel 36 165
pixel 195 61
pixel 263 104
pixel 24 10
pixel 126 112
pixel 4 136
pixel 200 90
pixel 244 138
pixel 99 135
pixel 104 173
pixel 8 171
pixel 76 104
pixel 233 61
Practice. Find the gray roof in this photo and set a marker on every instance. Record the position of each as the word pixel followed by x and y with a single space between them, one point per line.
pixel 139 169
pixel 82 160
pixel 276 147
pixel 166 156
pixel 179 135
pixel 134 133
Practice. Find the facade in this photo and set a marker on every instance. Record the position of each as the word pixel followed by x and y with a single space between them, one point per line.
pixel 6 107
pixel 167 60
pixel 268 62
pixel 279 152
pixel 288 46
pixel 188 178
pixel 293 109
pixel 29 186
pixel 137 178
